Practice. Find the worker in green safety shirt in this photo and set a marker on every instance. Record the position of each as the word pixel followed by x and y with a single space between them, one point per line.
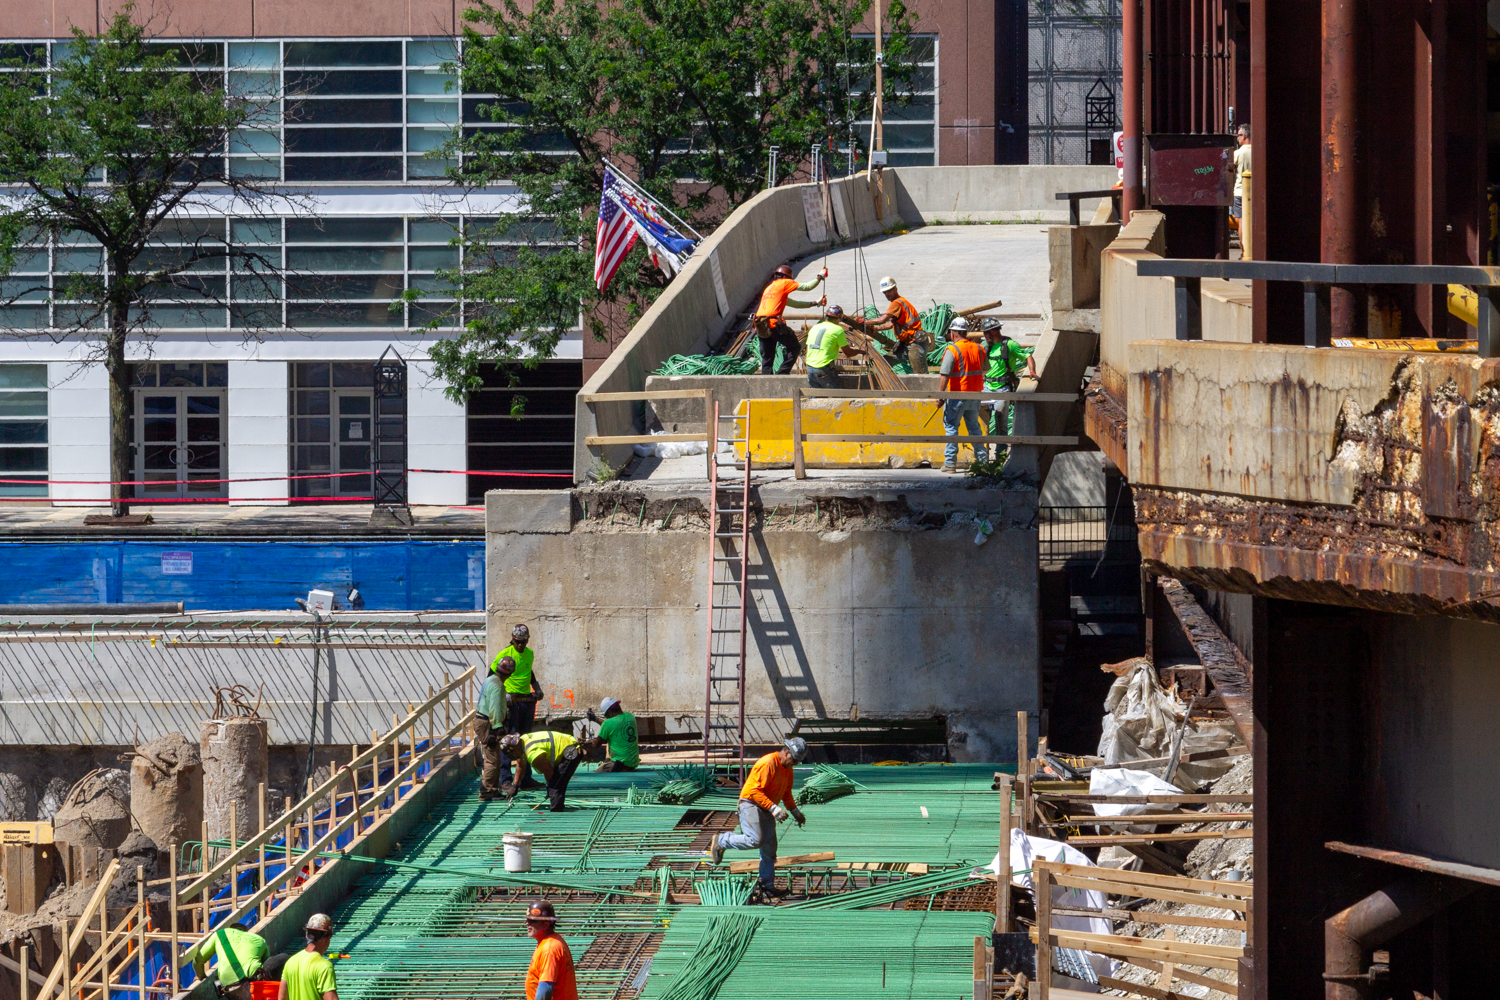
pixel 1005 361
pixel 240 960
pixel 555 756
pixel 489 726
pixel 618 733
pixel 308 975
pixel 825 341
pixel 522 692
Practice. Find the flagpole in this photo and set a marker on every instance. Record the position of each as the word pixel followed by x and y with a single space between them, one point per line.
pixel 623 179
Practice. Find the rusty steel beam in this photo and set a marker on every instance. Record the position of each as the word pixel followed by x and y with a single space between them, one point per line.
pixel 1104 422
pixel 1227 667
pixel 1433 866
pixel 1340 216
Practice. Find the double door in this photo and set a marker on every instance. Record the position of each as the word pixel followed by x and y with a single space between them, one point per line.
pixel 180 443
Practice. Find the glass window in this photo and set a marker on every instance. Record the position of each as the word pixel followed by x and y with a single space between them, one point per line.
pixel 343 81
pixel 361 230
pixel 431 52
pixel 422 140
pixel 343 140
pixel 257 230
pixel 432 230
pixel 432 111
pixel 345 111
pixel 254 55
pixel 430 81
pixel 343 53
pixel 910 133
pixel 23 426
pixel 343 168
pixel 315 259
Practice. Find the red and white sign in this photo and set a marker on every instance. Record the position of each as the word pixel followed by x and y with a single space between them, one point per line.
pixel 1120 151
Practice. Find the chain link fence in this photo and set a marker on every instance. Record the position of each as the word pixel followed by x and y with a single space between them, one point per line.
pixel 1074 80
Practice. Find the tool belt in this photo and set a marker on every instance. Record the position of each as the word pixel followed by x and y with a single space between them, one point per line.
pixel 528 697
pixel 765 326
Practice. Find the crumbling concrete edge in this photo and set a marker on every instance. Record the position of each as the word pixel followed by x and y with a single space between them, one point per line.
pixel 332 884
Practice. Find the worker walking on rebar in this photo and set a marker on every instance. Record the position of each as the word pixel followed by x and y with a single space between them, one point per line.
pixel 308 975
pixel 1004 360
pixel 555 755
pixel 550 975
pixel 825 341
pixel 771 328
pixel 618 733
pixel 962 371
pixel 765 800
pixel 905 323
pixel 489 726
pixel 522 692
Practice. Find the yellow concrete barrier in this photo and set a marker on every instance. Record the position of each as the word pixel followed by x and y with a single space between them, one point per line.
pixel 769 425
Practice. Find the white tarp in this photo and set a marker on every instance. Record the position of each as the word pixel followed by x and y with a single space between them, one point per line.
pixel 1140 718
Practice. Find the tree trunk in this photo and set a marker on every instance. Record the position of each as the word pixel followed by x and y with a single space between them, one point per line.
pixel 119 408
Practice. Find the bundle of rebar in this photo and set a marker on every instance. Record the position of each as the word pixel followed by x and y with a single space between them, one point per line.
pixel 825 783
pixel 891 892
pixel 682 783
pixel 723 944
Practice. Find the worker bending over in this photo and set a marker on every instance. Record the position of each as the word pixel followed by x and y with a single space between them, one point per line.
pixel 522 691
pixel 618 734
pixel 241 960
pixel 905 323
pixel 761 808
pixel 825 341
pixel 308 975
pixel 550 975
pixel 555 755
pixel 1004 360
pixel 771 328
pixel 962 371
pixel 489 726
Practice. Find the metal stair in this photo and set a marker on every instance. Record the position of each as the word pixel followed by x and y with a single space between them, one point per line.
pixel 729 556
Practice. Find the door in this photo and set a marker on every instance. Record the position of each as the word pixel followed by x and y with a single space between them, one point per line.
pixel 180 443
pixel 355 428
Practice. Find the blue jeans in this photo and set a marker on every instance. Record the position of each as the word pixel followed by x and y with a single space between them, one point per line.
pixel 823 378
pixel 757 829
pixel 954 410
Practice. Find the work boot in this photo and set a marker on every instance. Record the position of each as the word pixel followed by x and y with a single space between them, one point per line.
pixel 715 852
pixel 950 468
pixel 485 796
pixel 772 891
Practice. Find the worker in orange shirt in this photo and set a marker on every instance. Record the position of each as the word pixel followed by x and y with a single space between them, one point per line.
pixel 963 371
pixel 550 975
pixel 765 800
pixel 771 328
pixel 903 320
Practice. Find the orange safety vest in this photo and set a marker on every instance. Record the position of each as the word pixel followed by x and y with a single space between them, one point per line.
pixel 908 320
pixel 773 299
pixel 968 372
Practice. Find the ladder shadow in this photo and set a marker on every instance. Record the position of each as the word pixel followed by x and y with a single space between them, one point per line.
pixel 776 637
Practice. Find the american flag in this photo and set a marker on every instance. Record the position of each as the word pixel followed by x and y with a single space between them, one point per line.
pixel 615 236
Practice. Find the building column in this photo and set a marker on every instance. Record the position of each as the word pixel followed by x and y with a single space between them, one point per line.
pixel 259 432
pixel 78 434
pixel 436 438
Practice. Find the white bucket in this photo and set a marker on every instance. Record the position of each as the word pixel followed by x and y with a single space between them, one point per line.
pixel 517 851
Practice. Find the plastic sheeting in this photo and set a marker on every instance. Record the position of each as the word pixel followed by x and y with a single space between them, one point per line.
pixel 1139 717
pixel 246 576
pixel 1024 851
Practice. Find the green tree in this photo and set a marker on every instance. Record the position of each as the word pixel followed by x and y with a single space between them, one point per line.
pixel 687 95
pixel 115 145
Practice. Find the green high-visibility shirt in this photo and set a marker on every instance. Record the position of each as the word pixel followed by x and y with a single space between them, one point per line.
pixel 520 681
pixel 1005 359
pixel 619 732
pixel 241 954
pixel 823 343
pixel 533 745
pixel 308 976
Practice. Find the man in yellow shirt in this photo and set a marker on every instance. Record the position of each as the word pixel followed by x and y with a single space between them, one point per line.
pixel 308 975
pixel 825 341
pixel 241 959
pixel 555 755
pixel 765 800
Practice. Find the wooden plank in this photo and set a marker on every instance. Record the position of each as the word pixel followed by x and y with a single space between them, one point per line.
pixel 1196 978
pixel 1038 439
pixel 740 867
pixel 1150 891
pixel 1147 917
pixel 1148 800
pixel 626 397
pixel 644 438
pixel 1243 889
pixel 1152 819
pixel 1209 956
pixel 1042 882
pixel 1151 992
pixel 1117 840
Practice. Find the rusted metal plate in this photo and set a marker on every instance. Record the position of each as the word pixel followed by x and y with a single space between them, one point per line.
pixel 1104 421
pixel 1456 869
pixel 1447 458
pixel 1202 177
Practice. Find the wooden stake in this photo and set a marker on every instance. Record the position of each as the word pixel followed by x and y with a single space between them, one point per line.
pixel 140 924
pixel 1041 878
pixel 1164 981
pixel 799 463
pixel 265 908
pixel 25 972
pixel 1002 870
pixel 1023 746
pixel 67 963
pixel 172 863
pixel 234 882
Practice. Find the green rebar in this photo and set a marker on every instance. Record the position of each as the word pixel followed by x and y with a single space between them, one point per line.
pixel 824 784
pixel 723 943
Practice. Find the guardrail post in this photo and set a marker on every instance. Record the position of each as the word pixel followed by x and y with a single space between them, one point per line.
pixel 711 415
pixel 1073 210
pixel 1489 321
pixel 1189 308
pixel 1316 325
pixel 1041 881
pixel 799 466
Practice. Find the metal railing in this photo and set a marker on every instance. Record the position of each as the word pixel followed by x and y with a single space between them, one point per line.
pixel 1064 533
pixel 280 860
pixel 1074 197
pixel 710 434
pixel 1316 280
pixel 799 438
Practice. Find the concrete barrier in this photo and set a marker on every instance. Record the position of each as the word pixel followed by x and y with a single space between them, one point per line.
pixel 994 193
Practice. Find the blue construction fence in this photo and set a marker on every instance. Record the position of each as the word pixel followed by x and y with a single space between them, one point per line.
pixel 246 576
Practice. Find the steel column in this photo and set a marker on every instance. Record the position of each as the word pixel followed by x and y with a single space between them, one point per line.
pixel 1134 196
pixel 1340 125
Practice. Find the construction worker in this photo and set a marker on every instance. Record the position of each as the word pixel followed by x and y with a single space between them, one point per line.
pixel 1002 373
pixel 522 692
pixel 308 975
pixel 555 755
pixel 765 800
pixel 825 341
pixel 771 328
pixel 489 726
pixel 618 733
pixel 962 371
pixel 903 320
pixel 242 959
pixel 550 975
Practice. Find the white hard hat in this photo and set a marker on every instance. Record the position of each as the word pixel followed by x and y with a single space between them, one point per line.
pixel 959 323
pixel 319 923
pixel 607 704
pixel 887 284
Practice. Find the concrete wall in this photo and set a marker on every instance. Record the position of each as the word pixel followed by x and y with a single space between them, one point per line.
pixel 897 618
pixel 996 193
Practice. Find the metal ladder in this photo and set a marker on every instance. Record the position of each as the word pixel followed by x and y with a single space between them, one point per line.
pixel 729 560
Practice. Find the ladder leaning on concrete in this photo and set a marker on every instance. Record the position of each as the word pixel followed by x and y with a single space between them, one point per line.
pixel 729 558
